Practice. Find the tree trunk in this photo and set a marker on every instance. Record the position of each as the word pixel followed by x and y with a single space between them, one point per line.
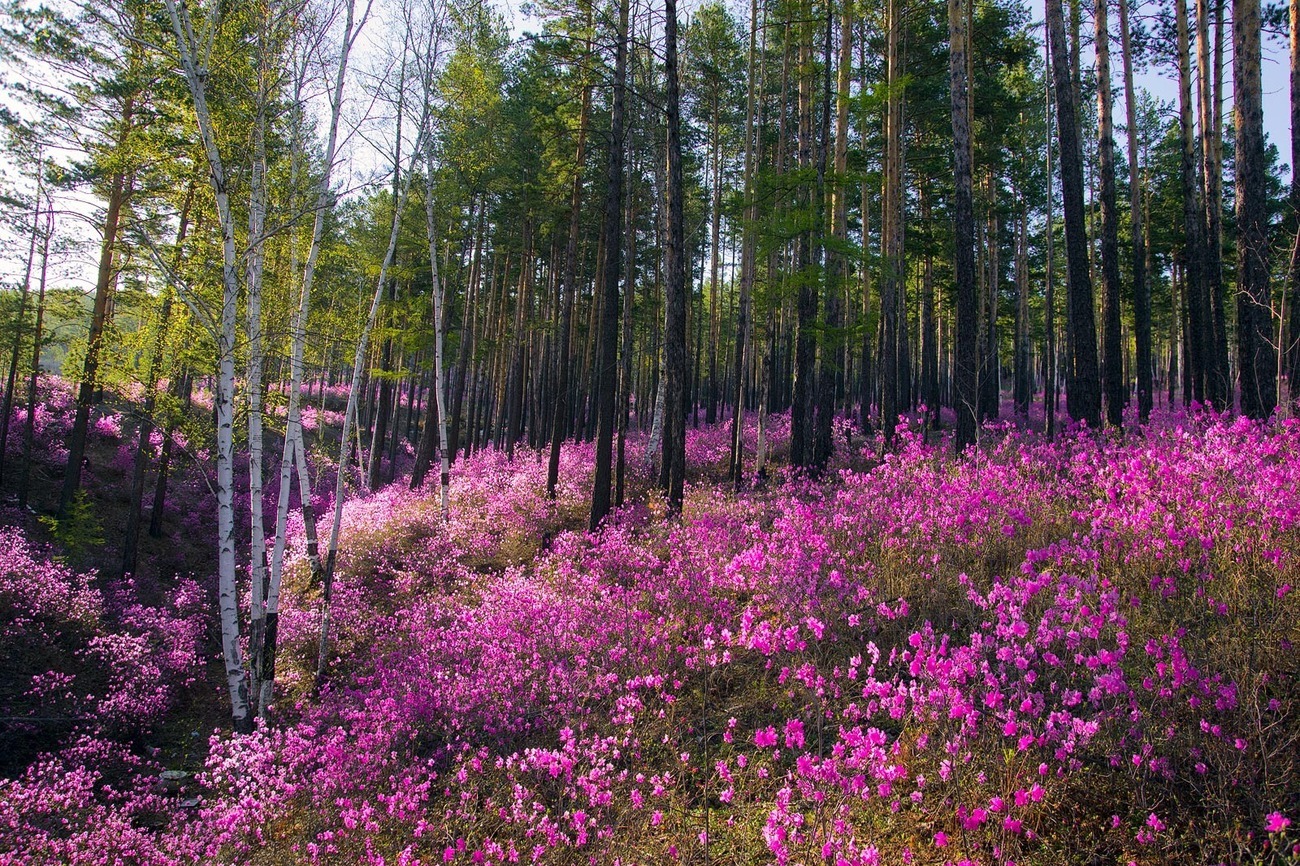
pixel 439 374
pixel 1112 371
pixel 607 380
pixel 11 381
pixel 801 414
pixel 674 460
pixel 1082 395
pixel 1194 290
pixel 228 600
pixel 1141 287
pixel 967 356
pixel 293 452
pixel 748 254
pixel 828 376
pixel 1293 346
pixel 119 191
pixel 350 412
pixel 29 426
pixel 1254 312
pixel 131 535
pixel 1218 387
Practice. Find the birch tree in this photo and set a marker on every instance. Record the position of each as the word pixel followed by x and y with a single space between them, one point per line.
pixel 293 456
pixel 403 174
pixel 194 50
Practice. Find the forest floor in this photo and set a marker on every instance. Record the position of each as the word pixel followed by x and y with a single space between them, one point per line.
pixel 1077 651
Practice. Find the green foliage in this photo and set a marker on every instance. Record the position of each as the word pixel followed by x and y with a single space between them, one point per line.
pixel 78 532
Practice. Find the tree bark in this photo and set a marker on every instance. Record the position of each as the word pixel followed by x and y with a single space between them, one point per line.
pixel 29 426
pixel 1112 372
pixel 1194 291
pixel 1293 346
pixel 228 600
pixel 1218 387
pixel 674 444
pixel 119 192
pixel 1254 312
pixel 967 356
pixel 1082 395
pixel 1141 286
pixel 607 381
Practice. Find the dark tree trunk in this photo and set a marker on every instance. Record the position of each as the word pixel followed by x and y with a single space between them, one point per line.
pixel 1195 296
pixel 1082 394
pixel 1141 287
pixel 607 364
pixel 830 368
pixel 1254 313
pixel 1218 387
pixel 967 357
pixel 1293 344
pixel 119 192
pixel 674 444
pixel 568 286
pixel 1112 372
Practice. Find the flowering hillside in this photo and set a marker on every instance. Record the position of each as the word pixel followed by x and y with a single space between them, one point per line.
pixel 1076 651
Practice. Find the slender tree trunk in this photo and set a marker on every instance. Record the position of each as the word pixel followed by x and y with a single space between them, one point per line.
pixel 1082 395
pixel 119 192
pixel 832 265
pixel 748 256
pixel 1254 311
pixel 1218 386
pixel 892 277
pixel 131 535
pixel 1112 361
pixel 11 381
pixel 929 336
pixel 29 425
pixel 514 390
pixel 349 414
pixel 254 261
pixel 967 360
pixel 715 227
pixel 1293 346
pixel 294 451
pixel 1141 286
pixel 228 600
pixel 1194 282
pixel 625 351
pixel 1023 371
pixel 866 387
pixel 674 460
pixel 569 288
pixel 608 362
pixel 464 358
pixel 439 374
pixel 801 414
pixel 1049 300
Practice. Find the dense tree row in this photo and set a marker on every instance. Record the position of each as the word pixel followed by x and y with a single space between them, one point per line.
pixel 630 222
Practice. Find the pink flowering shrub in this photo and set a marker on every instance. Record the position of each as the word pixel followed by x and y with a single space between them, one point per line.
pixel 1069 651
pixel 83 674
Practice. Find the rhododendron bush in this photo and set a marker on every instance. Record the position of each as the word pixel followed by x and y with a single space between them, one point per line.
pixel 1071 651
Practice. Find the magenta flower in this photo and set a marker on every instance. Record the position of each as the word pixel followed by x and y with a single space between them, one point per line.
pixel 1276 822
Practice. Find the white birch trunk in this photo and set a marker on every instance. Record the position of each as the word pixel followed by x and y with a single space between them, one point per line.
pixel 294 452
pixel 358 362
pixel 439 384
pixel 254 259
pixel 228 601
pixel 653 447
